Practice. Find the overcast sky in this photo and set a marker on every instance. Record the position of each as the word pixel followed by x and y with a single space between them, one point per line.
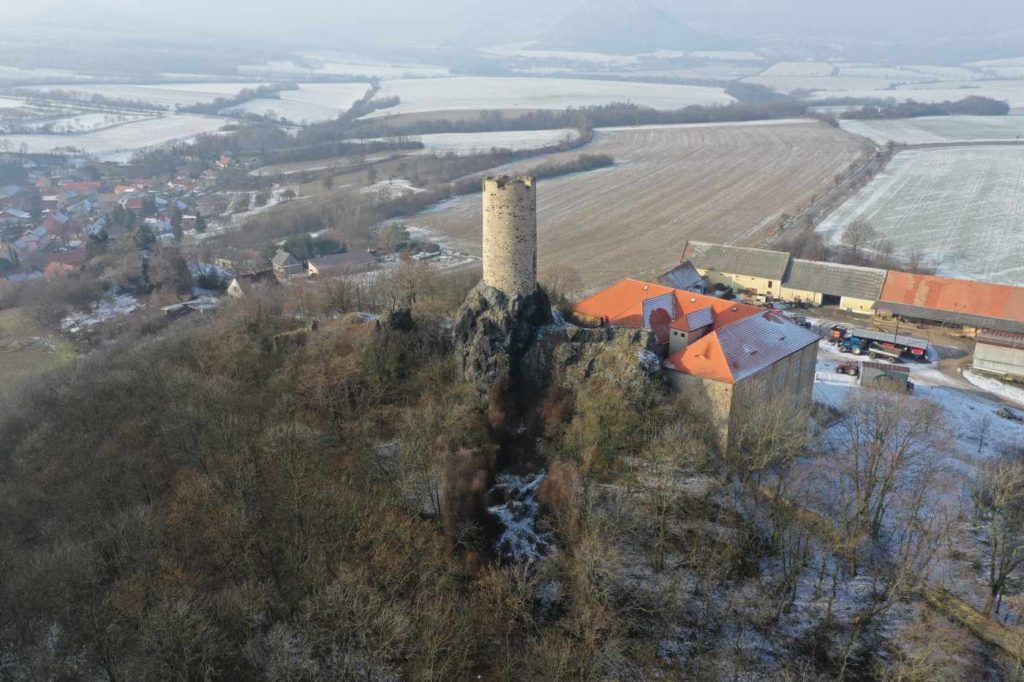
pixel 417 21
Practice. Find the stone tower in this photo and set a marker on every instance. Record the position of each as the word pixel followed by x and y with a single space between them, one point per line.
pixel 510 235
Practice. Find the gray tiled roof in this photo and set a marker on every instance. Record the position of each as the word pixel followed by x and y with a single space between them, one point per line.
pixel 835 279
pixel 756 342
pixel 683 276
pixel 282 258
pixel 737 260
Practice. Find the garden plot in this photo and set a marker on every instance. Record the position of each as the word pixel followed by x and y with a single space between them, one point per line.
pixel 938 129
pixel 117 142
pixel 963 208
pixel 462 94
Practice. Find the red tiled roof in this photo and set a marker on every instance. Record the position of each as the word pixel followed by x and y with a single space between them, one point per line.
pixel 955 295
pixel 742 339
pixel 622 304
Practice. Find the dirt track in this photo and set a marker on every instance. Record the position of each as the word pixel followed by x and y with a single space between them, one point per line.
pixel 726 183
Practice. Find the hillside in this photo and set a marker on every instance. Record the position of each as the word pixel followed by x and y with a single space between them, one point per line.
pixel 626 27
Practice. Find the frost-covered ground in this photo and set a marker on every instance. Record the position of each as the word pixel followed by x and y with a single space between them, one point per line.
pixel 954 205
pixel 120 141
pixel 1009 392
pixel 342 64
pixel 110 307
pixel 938 129
pixel 472 93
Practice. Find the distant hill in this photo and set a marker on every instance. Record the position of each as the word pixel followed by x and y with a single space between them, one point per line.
pixel 625 27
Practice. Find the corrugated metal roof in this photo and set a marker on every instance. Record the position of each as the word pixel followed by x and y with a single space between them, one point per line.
pixel 1002 339
pixel 887 337
pixel 956 297
pixel 684 276
pixel 947 317
pixel 835 279
pixel 737 260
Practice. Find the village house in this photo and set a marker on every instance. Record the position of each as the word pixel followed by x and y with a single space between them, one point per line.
pixel 244 284
pixel 749 272
pixel 285 265
pixel 731 357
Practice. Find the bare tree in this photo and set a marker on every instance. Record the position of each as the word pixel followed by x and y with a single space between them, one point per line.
pixel 998 495
pixel 886 446
pixel 857 236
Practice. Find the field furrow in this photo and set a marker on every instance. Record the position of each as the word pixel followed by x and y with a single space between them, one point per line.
pixel 727 183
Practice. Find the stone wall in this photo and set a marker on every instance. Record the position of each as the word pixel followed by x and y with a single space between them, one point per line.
pixel 510 235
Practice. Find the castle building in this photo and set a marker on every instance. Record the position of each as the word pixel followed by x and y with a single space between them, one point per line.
pixel 736 359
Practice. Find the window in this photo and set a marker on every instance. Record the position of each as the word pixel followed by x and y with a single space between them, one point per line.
pixel 797 366
pixel 780 377
pixel 770 284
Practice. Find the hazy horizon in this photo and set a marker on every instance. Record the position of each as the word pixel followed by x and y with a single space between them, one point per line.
pixel 414 24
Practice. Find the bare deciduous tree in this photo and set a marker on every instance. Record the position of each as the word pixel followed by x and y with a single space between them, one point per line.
pixel 998 495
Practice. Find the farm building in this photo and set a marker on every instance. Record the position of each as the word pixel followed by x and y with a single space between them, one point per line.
pixel 885 376
pixel 849 287
pixel 341 264
pixel 750 271
pixel 972 306
pixel 1000 354
pixel 773 274
pixel 731 357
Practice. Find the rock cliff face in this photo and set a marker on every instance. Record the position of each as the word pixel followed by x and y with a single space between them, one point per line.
pixel 517 343
pixel 493 333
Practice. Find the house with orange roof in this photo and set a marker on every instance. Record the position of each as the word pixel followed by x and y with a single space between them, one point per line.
pixel 728 356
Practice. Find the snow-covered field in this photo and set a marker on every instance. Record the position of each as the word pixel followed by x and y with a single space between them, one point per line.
pixel 114 143
pixel 8 103
pixel 164 94
pixel 473 93
pixel 938 129
pixel 787 69
pixel 84 123
pixel 340 64
pixel 1011 91
pixel 961 207
pixel 516 140
pixel 1010 392
pixel 311 103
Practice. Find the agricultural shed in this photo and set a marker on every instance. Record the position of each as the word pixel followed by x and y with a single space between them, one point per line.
pixel 851 287
pixel 741 268
pixel 1000 354
pixel 975 306
pixel 884 376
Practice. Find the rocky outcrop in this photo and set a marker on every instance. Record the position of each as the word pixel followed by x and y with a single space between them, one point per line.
pixel 494 333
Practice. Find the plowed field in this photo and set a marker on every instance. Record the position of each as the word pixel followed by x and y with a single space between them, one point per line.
pixel 725 183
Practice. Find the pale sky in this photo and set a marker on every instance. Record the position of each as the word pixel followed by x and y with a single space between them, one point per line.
pixel 421 22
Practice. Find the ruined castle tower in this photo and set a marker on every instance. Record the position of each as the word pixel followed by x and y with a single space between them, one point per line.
pixel 510 235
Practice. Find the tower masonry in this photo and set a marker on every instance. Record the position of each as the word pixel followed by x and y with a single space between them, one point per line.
pixel 510 235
